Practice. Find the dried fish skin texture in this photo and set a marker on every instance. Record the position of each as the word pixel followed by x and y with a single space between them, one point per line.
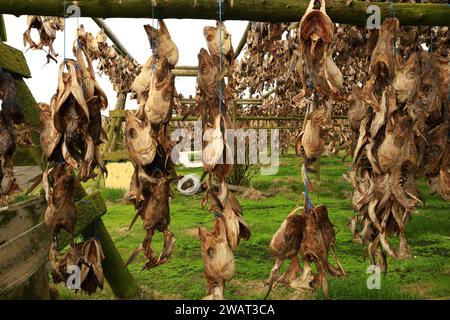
pixel 141 144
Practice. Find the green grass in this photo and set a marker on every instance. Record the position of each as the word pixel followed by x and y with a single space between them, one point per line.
pixel 425 276
pixel 113 195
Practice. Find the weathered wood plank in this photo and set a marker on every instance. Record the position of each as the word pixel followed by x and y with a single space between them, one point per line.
pixel 25 253
pixel 24 173
pixel 23 256
pixel 35 288
pixel 253 10
pixel 19 217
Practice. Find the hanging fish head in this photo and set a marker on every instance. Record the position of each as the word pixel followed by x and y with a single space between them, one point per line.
pixel 141 144
pixel 286 241
pixel 215 36
pixel 216 254
pixel 162 43
pixel 49 135
pixel 11 107
pixel 407 78
pixel 208 75
pixel 383 56
pixel 74 124
pixel 88 41
pixel 316 30
pixel 61 213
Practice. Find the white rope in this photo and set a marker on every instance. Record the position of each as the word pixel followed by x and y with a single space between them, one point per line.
pixel 196 184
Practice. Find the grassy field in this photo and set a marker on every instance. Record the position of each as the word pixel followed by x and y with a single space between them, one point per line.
pixel 425 276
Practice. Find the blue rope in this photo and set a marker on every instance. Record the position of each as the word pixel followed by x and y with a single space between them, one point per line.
pixel 220 54
pixel 393 15
pixel 154 41
pixel 393 8
pixel 65 27
pixel 430 50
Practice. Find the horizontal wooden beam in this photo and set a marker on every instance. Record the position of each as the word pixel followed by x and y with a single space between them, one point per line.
pixel 121 114
pixel 340 11
pixel 185 72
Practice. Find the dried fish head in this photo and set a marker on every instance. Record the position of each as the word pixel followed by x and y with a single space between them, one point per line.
pixel 357 110
pixel 316 30
pixel 217 256
pixel 214 38
pixel 407 78
pixel 161 41
pixel 141 144
pixel 11 108
pixel 70 91
pixel 88 41
pixel 7 139
pixel 217 156
pixel 383 56
pixel 141 84
pixel 158 107
pixel 437 140
pixel 60 213
pixel 47 28
pixel 91 267
pixel 50 137
pixel 286 241
pixel 390 153
pixel 208 73
pixel 312 140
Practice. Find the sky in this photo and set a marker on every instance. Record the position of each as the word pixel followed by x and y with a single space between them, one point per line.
pixel 187 34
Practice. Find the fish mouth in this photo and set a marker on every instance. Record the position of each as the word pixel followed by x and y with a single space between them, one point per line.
pixel 146 151
pixel 72 136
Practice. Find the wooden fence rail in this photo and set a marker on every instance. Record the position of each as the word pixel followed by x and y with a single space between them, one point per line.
pixel 25 243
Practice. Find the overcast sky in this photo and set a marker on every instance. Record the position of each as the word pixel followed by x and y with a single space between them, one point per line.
pixel 187 34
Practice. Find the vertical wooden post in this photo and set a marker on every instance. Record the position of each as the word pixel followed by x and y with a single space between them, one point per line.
pixel 114 126
pixel 234 114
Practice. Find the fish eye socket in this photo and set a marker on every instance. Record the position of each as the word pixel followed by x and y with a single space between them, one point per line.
pixel 211 252
pixel 132 133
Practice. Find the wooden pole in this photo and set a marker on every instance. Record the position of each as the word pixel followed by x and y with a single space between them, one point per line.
pixel 243 41
pixel 185 72
pixel 340 11
pixel 120 47
pixel 234 115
